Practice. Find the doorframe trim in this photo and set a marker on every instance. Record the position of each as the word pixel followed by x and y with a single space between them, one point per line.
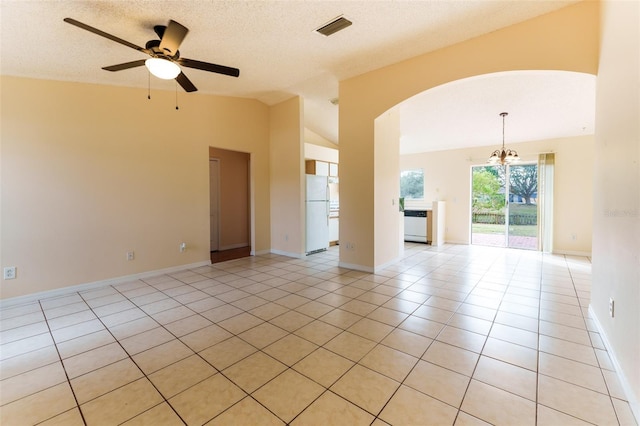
pixel 217 160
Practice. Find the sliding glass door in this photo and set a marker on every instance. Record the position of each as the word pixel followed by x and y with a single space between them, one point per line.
pixel 522 206
pixel 504 206
pixel 488 207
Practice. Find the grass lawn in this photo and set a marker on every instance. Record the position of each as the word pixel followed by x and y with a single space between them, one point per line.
pixel 531 209
pixel 516 230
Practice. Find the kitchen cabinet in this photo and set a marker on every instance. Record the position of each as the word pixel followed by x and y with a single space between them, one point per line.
pixel 321 168
pixel 416 226
pixel 426 225
pixel 315 167
pixel 437 225
pixel 334 226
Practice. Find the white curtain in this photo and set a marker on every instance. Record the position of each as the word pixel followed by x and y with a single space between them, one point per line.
pixel 545 202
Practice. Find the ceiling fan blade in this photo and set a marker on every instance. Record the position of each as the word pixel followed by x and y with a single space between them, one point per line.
pixel 205 66
pixel 125 66
pixel 172 37
pixel 103 34
pixel 186 84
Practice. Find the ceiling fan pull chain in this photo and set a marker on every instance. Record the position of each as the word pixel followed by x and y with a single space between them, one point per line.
pixel 177 95
pixel 149 85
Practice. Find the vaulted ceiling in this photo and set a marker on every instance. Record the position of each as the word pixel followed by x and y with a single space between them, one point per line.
pixel 279 55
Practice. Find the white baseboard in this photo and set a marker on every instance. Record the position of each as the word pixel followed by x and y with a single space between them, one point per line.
pixel 355 267
pixel 288 254
pixel 626 387
pixel 458 242
pixel 384 265
pixel 30 298
pixel 573 253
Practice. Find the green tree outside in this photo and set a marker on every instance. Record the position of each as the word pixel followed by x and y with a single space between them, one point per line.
pixel 523 180
pixel 412 184
pixel 486 190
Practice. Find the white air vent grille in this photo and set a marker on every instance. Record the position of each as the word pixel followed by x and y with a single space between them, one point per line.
pixel 334 26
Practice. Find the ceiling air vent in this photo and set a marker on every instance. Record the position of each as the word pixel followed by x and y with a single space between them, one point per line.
pixel 334 26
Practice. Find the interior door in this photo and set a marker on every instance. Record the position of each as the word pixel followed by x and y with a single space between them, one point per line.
pixel 214 203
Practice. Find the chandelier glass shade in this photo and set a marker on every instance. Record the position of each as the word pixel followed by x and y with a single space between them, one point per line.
pixel 162 68
pixel 503 156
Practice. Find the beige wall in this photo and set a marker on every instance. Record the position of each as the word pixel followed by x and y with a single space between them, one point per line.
pixel 234 225
pixel 287 177
pixel 387 217
pixel 563 40
pixel 616 230
pixel 447 176
pixel 90 172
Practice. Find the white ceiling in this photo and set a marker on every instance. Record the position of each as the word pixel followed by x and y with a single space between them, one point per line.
pixel 464 113
pixel 279 55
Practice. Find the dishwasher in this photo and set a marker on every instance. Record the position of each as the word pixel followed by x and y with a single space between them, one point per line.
pixel 415 226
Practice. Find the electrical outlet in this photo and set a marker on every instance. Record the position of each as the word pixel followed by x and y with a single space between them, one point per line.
pixel 183 247
pixel 130 255
pixel 9 272
pixel 611 307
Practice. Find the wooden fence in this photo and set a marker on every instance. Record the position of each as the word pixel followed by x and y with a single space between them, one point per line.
pixel 498 219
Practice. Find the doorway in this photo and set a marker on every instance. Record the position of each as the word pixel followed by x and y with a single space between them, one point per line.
pixel 229 204
pixel 504 206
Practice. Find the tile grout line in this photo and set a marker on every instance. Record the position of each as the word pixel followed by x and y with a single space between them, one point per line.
pixel 132 360
pixel 483 345
pixel 66 374
pixel 247 394
pixel 399 271
pixel 538 336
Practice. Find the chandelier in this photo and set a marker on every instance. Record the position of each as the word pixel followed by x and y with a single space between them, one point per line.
pixel 504 156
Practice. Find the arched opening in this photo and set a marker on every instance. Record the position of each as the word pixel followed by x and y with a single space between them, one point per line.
pixel 451 129
pixel 543 43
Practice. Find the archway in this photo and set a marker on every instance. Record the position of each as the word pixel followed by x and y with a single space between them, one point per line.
pixel 563 40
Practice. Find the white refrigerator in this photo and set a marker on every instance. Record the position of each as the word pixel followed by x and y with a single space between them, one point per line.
pixel 317 213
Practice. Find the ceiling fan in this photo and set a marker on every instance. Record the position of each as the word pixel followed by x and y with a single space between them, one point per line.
pixel 165 60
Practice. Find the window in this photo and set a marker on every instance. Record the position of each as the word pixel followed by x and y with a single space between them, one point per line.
pixel 412 184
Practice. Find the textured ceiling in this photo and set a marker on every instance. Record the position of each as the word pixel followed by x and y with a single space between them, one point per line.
pixel 271 42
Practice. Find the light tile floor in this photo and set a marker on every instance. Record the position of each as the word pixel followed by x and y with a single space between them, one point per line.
pixel 460 335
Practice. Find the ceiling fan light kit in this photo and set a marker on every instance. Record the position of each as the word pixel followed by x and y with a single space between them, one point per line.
pixel 162 68
pixel 165 60
pixel 503 156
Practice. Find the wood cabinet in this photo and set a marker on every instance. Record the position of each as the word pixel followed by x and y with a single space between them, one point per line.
pixel 315 167
pixel 321 168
